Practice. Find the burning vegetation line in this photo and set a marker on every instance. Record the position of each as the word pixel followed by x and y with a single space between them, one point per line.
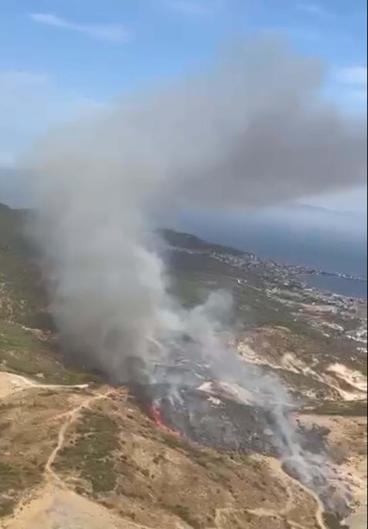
pixel 155 413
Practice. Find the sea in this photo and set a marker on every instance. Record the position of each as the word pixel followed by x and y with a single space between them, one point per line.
pixel 354 288
pixel 323 250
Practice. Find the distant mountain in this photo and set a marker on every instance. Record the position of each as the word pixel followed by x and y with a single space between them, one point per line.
pixel 191 242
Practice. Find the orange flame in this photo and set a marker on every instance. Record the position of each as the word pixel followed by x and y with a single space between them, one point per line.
pixel 156 415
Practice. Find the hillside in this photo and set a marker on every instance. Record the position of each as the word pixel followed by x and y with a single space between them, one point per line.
pixel 76 451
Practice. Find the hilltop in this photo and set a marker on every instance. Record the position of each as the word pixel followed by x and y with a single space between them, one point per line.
pixel 87 454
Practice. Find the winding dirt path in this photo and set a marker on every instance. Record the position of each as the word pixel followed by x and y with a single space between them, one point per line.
pixel 14 383
pixel 320 508
pixel 71 416
pixel 53 500
pixel 261 513
pixel 54 508
pixel 11 383
pixel 283 512
pixel 56 483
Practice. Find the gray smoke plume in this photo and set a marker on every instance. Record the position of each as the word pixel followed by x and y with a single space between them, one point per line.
pixel 252 131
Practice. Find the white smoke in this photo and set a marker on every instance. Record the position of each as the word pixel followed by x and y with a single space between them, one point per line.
pixel 252 131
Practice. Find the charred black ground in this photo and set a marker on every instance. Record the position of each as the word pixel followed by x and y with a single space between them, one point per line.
pixel 226 425
pixel 222 423
pixel 238 412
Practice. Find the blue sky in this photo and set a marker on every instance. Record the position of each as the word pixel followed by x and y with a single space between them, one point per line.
pixel 61 58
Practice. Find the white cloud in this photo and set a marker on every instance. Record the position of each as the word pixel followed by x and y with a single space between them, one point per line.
pixel 108 32
pixel 352 200
pixel 352 82
pixel 15 77
pixel 349 86
pixel 194 7
pixel 353 75
pixel 30 102
pixel 7 159
pixel 313 9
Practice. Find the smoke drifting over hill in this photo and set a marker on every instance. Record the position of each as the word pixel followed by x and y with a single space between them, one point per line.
pixel 252 131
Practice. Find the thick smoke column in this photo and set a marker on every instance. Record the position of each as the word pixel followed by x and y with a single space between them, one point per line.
pixel 251 131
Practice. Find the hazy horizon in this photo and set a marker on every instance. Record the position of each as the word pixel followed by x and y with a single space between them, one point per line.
pixel 134 50
pixel 135 47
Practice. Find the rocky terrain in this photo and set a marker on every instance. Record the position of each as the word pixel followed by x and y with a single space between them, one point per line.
pixel 79 452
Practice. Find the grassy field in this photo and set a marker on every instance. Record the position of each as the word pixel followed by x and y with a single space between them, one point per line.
pixel 23 353
pixel 91 454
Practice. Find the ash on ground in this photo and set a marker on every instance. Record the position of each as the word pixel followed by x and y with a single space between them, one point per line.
pixel 243 410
